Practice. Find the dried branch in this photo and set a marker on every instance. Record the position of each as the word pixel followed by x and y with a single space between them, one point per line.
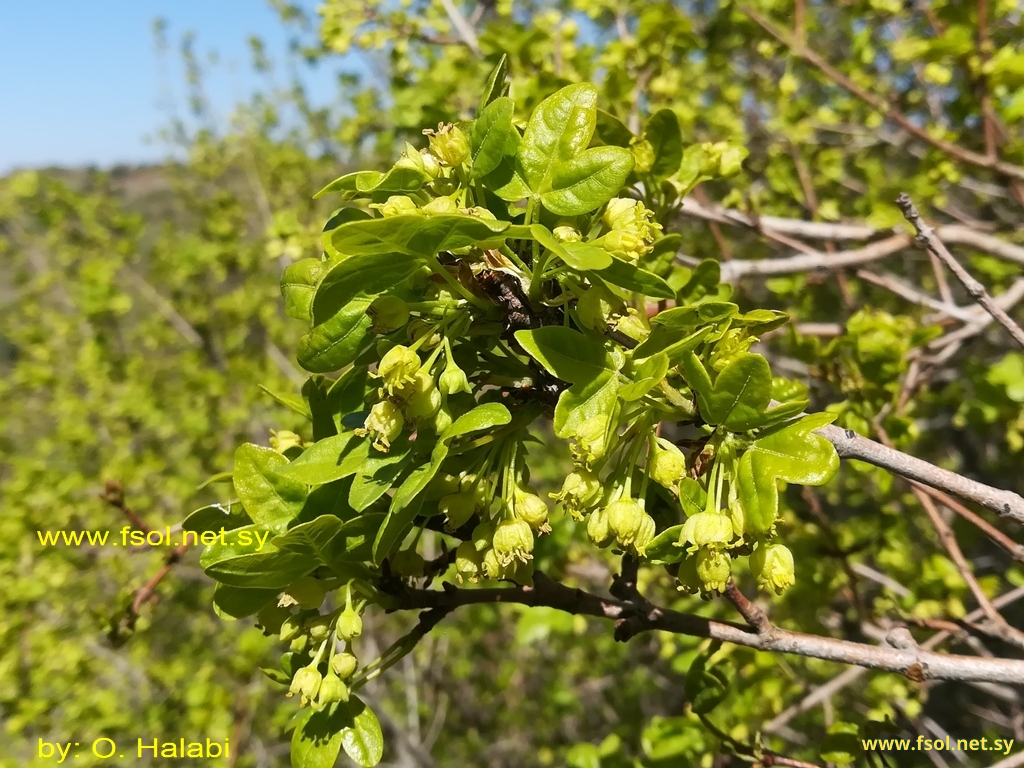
pixel 914 662
pixel 815 260
pixel 911 294
pixel 926 235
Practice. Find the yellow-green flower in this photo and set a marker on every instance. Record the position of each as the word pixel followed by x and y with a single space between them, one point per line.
pixel 383 425
pixel 773 567
pixel 513 540
pixel 448 144
pixel 397 368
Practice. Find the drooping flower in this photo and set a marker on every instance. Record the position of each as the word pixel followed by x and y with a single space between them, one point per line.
pixel 448 144
pixel 513 540
pixel 397 368
pixel 383 425
pixel 773 567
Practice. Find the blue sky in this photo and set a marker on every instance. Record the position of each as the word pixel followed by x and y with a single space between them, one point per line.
pixel 81 83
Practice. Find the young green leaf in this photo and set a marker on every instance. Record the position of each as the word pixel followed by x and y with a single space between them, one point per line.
pixel 493 137
pixel 587 181
pixel 740 394
pixel 236 603
pixel 662 131
pixel 298 283
pixel 269 499
pixel 584 401
pixel 792 453
pixel 559 130
pixel 363 276
pixel 633 278
pixel 497 83
pixel 566 353
pixel 335 343
pixel 363 740
pixel 321 463
pixel 412 234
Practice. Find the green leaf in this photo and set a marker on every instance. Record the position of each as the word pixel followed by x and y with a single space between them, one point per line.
pixel 497 83
pixel 393 529
pixel 321 463
pixel 363 740
pixel 587 181
pixel 298 283
pixel 663 550
pixel 269 499
pixel 559 130
pixel 292 402
pixel 237 603
pixel 412 234
pixel 335 343
pixel 706 687
pixel 481 417
pixel 565 353
pixel 375 477
pixel 662 131
pixel 343 215
pixel 346 183
pixel 493 137
pixel 631 277
pixel 693 315
pixel 584 401
pixel 246 540
pixel 316 392
pixel 673 343
pixel 330 542
pixel 762 320
pixel 364 276
pixel 316 742
pixel 791 453
pixel 215 517
pixel 585 257
pixel 398 179
pixel 613 131
pixel 740 394
pixel 261 570
pixel 646 377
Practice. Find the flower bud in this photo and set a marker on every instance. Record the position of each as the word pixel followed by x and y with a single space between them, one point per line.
pixel 408 563
pixel 418 328
pixel 396 205
pixel 284 440
pixel 410 159
pixel 468 563
pixel 448 144
pixel 513 540
pixel 299 644
pixel 689 581
pixel 442 419
pixel 667 465
pixel 453 380
pixel 398 367
pixel 713 569
pixel 306 683
pixel 307 593
pixel 531 508
pixel 440 206
pixel 388 313
pixel 430 165
pixel 567 234
pixel 318 628
pixel 773 567
pixel 332 689
pixel 598 529
pixel 350 623
pixel 291 628
pixel 628 245
pixel 423 397
pixel 344 665
pixel 457 508
pixel 384 424
pixel 706 529
pixel 620 213
pixel 597 307
pixel 482 536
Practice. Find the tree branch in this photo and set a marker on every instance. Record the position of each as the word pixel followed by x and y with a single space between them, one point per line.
pixel 914 662
pixel 926 235
pixel 850 445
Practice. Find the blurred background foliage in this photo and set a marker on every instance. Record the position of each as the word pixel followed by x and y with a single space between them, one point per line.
pixel 141 313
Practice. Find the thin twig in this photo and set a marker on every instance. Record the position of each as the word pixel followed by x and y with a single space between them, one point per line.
pixel 466 33
pixel 926 235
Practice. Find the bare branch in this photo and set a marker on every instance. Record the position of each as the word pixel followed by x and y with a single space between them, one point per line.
pixel 462 27
pixel 814 261
pixel 901 289
pixel 850 445
pixel 812 230
pixel 926 235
